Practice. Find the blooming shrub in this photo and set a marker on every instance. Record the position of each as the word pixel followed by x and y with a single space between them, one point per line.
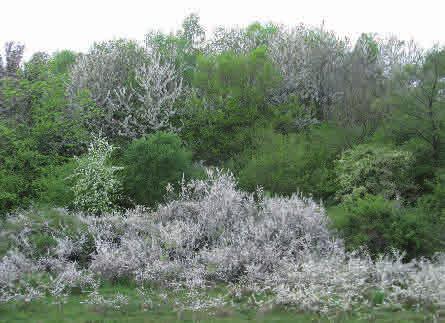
pixel 13 268
pixel 278 248
pixel 368 169
pixel 96 186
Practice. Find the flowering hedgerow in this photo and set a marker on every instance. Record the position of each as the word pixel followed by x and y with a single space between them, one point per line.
pixel 279 248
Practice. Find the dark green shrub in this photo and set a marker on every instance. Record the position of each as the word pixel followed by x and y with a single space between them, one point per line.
pixel 381 225
pixel 422 170
pixel 55 185
pixel 217 136
pixel 286 164
pixel 433 204
pixel 150 163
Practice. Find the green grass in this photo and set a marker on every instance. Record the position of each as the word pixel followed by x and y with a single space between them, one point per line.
pixel 73 310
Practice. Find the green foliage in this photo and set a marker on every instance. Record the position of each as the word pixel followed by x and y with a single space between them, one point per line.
pixel 37 129
pixel 54 186
pixel 421 169
pixel 231 96
pixel 35 68
pixel 260 33
pixel 286 164
pixel 417 102
pixel 96 186
pixel 381 225
pixel 292 118
pixel 58 130
pixel 12 186
pixel 20 165
pixel 435 201
pixel 373 169
pixel 236 80
pixel 218 135
pixel 368 46
pixel 62 61
pixel 151 163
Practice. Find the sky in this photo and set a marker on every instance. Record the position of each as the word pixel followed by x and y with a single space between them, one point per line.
pixel 51 25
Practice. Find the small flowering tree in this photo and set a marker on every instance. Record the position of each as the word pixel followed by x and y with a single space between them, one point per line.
pixel 133 89
pixel 310 61
pixel 96 185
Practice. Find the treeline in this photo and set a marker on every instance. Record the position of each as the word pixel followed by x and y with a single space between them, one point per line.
pixel 358 126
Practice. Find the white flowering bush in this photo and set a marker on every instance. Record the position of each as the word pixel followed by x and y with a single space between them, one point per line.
pixel 266 250
pixel 96 185
pixel 13 268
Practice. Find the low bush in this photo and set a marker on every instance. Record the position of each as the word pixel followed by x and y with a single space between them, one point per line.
pixel 217 135
pixel 54 186
pixel 153 162
pixel 380 226
pixel 372 169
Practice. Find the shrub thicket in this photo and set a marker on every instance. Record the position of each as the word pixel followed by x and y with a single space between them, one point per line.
pixel 274 249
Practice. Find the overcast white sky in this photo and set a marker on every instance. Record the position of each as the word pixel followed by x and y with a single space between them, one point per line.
pixel 50 25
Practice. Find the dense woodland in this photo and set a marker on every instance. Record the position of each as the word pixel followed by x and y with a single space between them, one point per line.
pixel 295 119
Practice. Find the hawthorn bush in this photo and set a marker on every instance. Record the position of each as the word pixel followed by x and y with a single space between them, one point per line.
pixel 371 169
pixel 96 186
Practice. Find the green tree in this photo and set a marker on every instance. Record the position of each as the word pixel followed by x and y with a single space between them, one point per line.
pixel 286 164
pixel 418 102
pixel 38 129
pixel 231 94
pixel 241 80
